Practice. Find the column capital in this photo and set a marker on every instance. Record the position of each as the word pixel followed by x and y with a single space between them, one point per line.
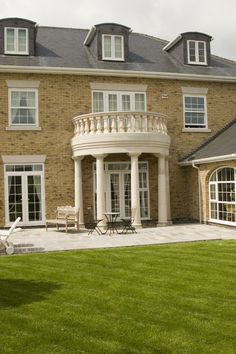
pixel 134 154
pixel 99 156
pixel 77 158
pixel 165 155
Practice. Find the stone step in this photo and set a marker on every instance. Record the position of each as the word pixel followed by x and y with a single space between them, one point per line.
pixel 24 248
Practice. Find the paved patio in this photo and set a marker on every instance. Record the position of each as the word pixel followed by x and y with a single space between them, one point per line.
pixel 38 240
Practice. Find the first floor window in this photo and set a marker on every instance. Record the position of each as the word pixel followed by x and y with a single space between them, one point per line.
pixel 195 111
pixel 121 101
pixel 23 107
pixel 222 195
pixel 16 41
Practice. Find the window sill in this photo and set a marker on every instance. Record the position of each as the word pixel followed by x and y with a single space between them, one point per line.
pixel 23 127
pixel 196 130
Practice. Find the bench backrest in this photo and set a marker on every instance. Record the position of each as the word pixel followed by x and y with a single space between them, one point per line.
pixel 67 212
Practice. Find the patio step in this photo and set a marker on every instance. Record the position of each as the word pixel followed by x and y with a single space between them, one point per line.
pixel 24 248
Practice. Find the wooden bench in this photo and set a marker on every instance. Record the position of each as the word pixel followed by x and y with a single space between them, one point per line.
pixel 66 216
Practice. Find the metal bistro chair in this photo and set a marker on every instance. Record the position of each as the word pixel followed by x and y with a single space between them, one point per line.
pixel 93 226
pixel 127 224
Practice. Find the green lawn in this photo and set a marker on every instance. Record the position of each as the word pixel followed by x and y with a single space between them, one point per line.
pixel 164 299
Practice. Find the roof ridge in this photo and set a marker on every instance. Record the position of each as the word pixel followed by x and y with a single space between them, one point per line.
pixel 213 137
pixel 150 36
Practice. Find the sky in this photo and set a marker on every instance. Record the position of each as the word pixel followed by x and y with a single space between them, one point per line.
pixel 164 19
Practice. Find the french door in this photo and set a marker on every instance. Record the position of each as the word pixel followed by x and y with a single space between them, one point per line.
pixel 119 193
pixel 24 191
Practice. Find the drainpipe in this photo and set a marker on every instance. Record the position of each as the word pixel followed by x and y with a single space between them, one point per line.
pixel 199 193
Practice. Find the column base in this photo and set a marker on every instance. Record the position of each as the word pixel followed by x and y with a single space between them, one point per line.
pixel 166 223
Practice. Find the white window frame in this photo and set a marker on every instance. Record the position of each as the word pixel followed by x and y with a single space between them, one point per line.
pixel 33 125
pixel 196 53
pixel 119 100
pixel 216 183
pixel 195 126
pixel 112 57
pixel 16 41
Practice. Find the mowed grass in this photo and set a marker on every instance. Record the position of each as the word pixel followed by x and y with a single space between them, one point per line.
pixel 163 299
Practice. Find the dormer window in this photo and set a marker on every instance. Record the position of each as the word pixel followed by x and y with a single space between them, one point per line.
pixel 112 47
pixel 16 41
pixel 197 52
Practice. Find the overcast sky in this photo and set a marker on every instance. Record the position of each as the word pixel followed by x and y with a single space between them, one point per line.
pixel 161 18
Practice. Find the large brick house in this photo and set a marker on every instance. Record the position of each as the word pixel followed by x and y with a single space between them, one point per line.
pixel 110 120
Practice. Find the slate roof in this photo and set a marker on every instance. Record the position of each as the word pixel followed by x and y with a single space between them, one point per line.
pixel 64 48
pixel 221 144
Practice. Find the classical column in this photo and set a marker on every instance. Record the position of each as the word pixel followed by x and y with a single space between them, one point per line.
pixel 79 188
pixel 100 176
pixel 168 192
pixel 135 201
pixel 162 191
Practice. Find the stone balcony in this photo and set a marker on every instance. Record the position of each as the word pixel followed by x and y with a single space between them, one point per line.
pixel 120 132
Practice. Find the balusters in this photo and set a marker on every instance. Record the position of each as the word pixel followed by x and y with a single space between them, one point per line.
pixel 121 124
pixel 113 124
pixel 129 122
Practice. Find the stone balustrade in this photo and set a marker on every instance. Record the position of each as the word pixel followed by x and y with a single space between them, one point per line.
pixel 120 122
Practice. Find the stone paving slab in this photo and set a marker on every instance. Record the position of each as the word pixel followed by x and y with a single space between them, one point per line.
pixel 53 240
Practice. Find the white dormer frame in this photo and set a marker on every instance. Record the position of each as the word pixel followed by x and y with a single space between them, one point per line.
pixel 16 49
pixel 113 54
pixel 196 52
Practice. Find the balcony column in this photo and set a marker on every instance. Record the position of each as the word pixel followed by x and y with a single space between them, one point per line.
pixel 79 189
pixel 135 201
pixel 168 192
pixel 100 176
pixel 162 191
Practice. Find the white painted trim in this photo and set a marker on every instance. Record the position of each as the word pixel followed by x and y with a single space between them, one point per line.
pixel 196 43
pixel 188 90
pixel 23 159
pixel 209 159
pixel 10 123
pixel 114 73
pixel 89 36
pixel 172 43
pixel 23 127
pixel 113 57
pixel 22 84
pixel 103 86
pixel 196 130
pixel 205 111
pixel 16 41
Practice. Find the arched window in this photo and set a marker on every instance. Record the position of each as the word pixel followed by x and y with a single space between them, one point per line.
pixel 222 195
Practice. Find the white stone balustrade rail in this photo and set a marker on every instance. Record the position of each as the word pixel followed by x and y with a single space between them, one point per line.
pixel 120 122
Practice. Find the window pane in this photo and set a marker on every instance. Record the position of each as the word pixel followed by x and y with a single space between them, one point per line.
pixel 98 102
pixel 23 107
pixel 139 102
pixel 22 40
pixel 112 102
pixel 194 111
pixel 201 52
pixel 10 40
pixel 107 46
pixel 125 102
pixel 118 47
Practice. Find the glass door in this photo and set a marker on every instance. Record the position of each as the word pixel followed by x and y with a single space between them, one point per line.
pixel 24 194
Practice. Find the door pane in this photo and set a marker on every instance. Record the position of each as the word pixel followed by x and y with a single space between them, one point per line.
pixel 14 197
pixel 34 198
pixel 127 194
pixel 115 192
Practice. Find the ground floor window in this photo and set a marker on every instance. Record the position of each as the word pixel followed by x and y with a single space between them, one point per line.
pixel 222 195
pixel 118 189
pixel 24 190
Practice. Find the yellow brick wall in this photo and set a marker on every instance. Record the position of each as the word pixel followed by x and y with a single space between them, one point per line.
pixel 62 97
